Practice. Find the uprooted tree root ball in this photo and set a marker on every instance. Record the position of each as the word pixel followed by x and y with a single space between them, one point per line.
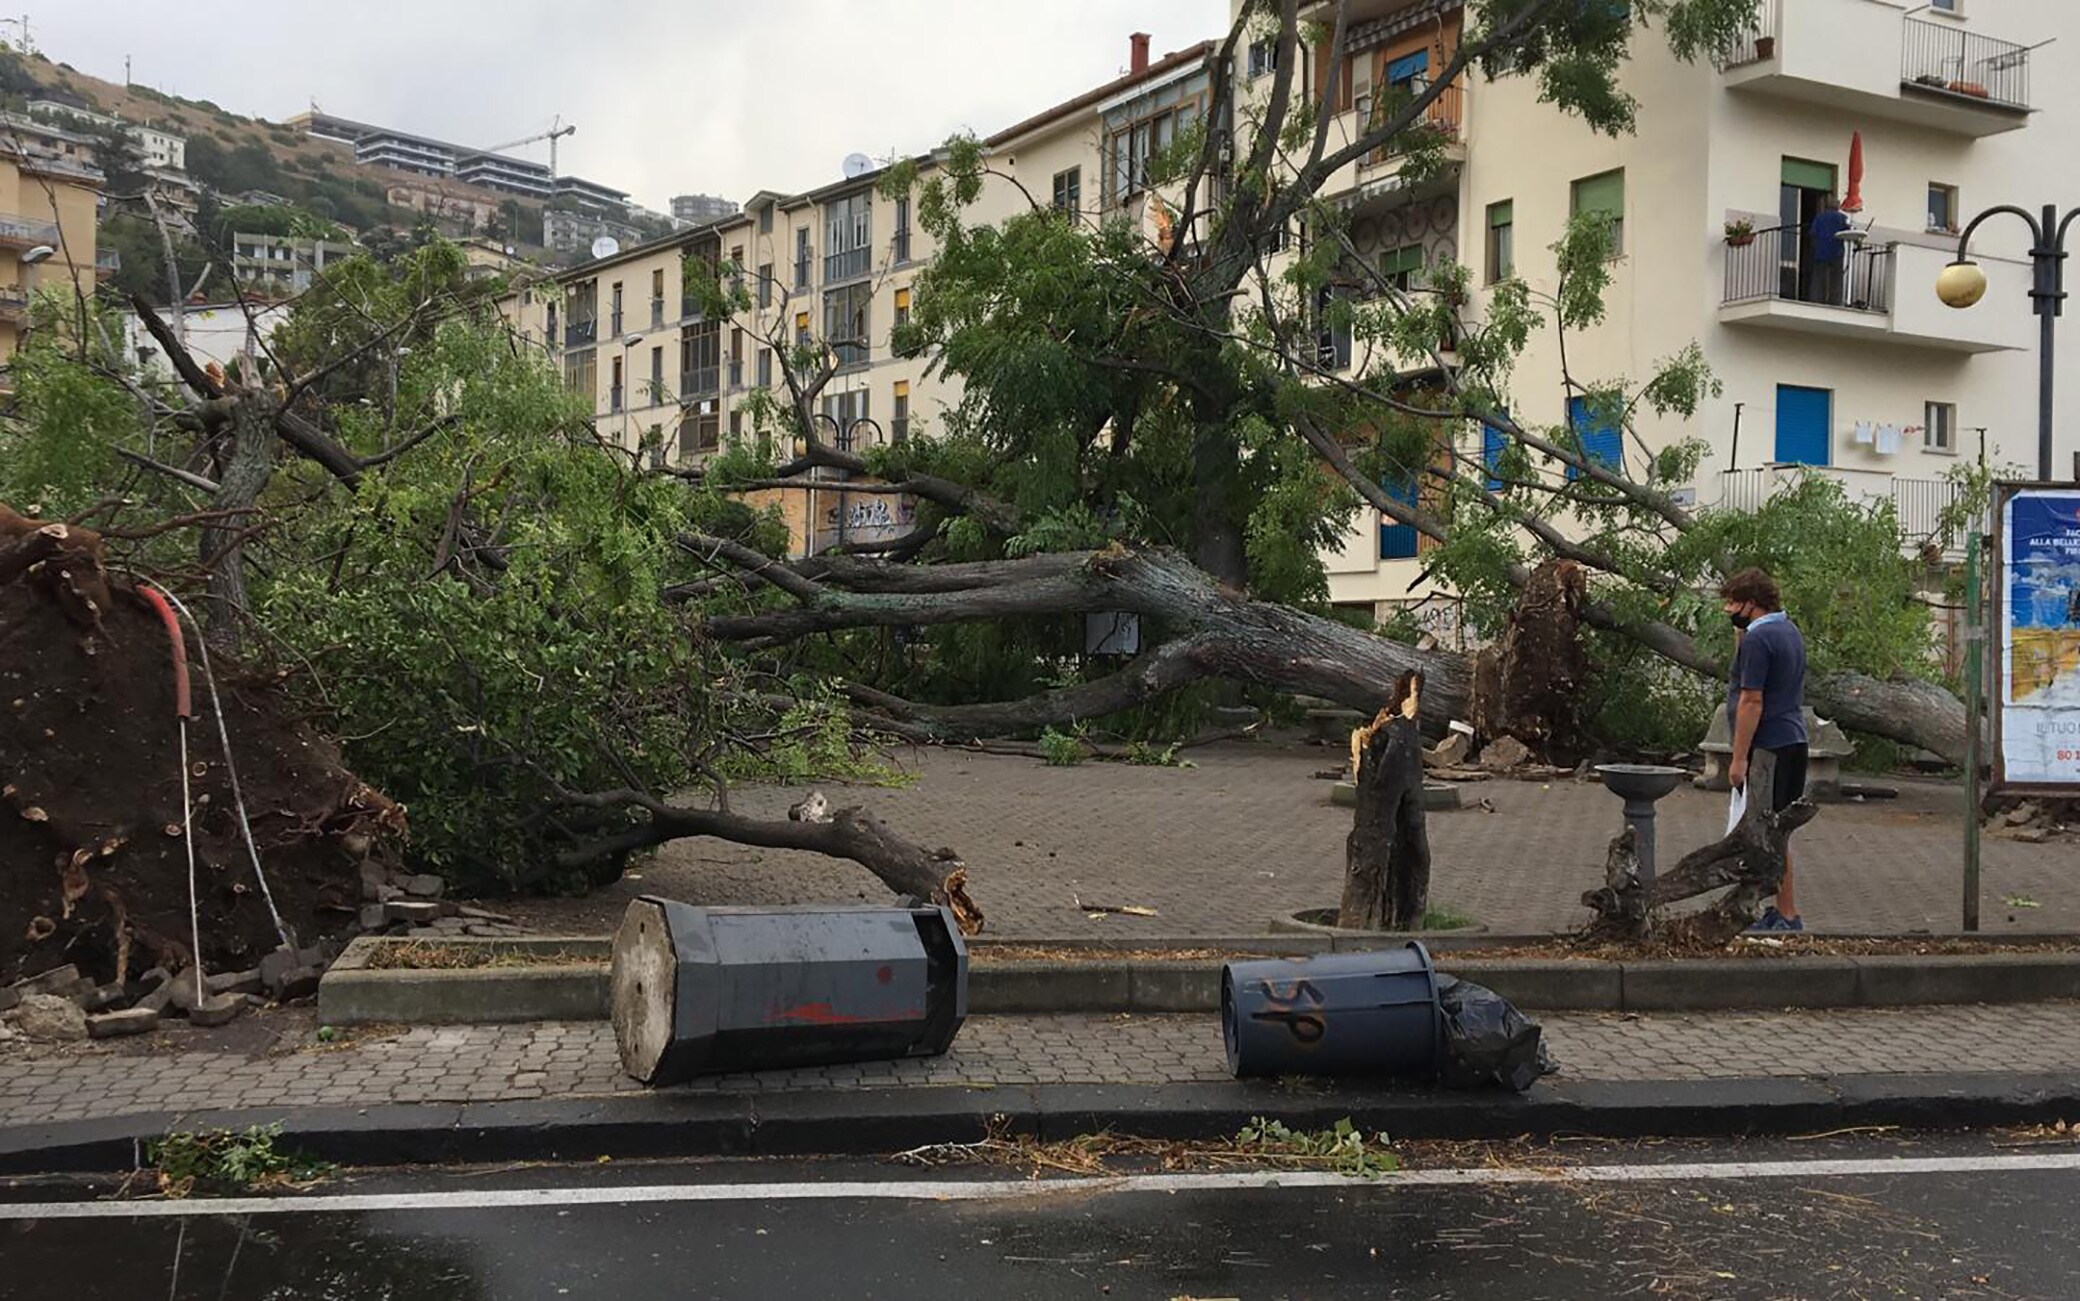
pixel 93 869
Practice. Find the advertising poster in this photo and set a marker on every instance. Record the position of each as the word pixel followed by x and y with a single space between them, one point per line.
pixel 2039 670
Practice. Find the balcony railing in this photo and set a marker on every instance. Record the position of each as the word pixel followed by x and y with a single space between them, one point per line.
pixel 578 334
pixel 1944 59
pixel 1442 121
pixel 27 233
pixel 699 382
pixel 847 265
pixel 14 301
pixel 1778 263
pixel 1755 45
pixel 1919 505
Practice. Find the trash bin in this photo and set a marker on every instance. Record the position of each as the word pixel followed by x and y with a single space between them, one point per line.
pixel 1370 1013
pixel 705 990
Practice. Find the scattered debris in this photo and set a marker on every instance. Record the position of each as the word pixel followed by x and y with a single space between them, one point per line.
pixel 1095 910
pixel 51 1019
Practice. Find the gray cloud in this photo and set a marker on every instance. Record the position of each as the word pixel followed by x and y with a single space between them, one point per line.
pixel 668 97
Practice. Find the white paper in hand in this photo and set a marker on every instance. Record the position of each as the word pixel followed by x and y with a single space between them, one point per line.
pixel 1736 808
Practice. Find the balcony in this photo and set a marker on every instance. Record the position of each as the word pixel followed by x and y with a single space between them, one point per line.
pixel 1883 292
pixel 1442 124
pixel 849 264
pixel 14 303
pixel 23 232
pixel 701 381
pixel 1873 59
pixel 1918 503
pixel 107 262
pixel 581 334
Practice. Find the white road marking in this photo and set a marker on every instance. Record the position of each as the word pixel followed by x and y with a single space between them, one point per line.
pixel 942 1190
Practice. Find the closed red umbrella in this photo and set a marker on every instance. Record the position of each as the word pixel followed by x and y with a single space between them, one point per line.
pixel 1854 200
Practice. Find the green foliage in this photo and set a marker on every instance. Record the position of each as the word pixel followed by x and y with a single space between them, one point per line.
pixel 1062 749
pixel 58 436
pixel 1343 1148
pixel 1444 917
pixel 227 1162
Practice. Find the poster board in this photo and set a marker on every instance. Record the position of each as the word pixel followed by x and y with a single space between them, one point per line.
pixel 2036 620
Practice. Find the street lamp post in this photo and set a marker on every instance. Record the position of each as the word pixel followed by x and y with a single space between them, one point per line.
pixel 628 393
pixel 1963 283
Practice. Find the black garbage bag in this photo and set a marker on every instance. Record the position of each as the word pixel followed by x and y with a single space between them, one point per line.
pixel 1487 1041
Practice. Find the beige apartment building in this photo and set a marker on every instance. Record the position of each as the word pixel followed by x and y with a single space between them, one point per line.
pixel 49 192
pixel 835 266
pixel 1871 382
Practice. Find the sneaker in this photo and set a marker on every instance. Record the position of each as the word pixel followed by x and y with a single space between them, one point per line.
pixel 1773 922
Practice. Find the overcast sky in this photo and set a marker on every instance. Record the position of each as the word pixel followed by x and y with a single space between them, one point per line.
pixel 669 96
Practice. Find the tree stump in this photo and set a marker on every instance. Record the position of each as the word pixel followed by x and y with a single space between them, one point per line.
pixel 1386 884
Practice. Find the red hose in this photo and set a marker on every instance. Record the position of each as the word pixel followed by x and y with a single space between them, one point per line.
pixel 182 706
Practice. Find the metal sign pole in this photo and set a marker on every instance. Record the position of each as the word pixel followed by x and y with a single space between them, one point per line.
pixel 1974 678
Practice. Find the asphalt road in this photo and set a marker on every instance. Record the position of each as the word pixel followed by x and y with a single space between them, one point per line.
pixel 1953 1218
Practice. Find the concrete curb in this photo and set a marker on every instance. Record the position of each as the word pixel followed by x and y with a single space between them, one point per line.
pixel 861 1122
pixel 352 993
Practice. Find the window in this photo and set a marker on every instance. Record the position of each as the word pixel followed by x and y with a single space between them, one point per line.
pixel 700 359
pixel 803 253
pixel 1603 441
pixel 581 374
pixel 1130 147
pixel 1263 58
pixel 765 219
pixel 1603 194
pixel 846 410
pixel 846 324
pixel 1407 76
pixel 736 357
pixel 698 432
pixel 765 368
pixel 902 307
pixel 1944 6
pixel 899 417
pixel 1805 425
pixel 1502 241
pixel 1068 190
pixel 736 271
pixel 1939 426
pixel 765 285
pixel 902 239
pixel 1402 267
pixel 736 428
pixel 1398 541
pixel 656 375
pixel 848 226
pixel 657 299
pixel 615 328
pixel 801 329
pixel 1494 443
pixel 1942 208
pixel 1332 332
pixel 614 392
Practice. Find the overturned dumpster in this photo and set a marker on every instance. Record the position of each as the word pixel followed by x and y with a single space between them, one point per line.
pixel 700 991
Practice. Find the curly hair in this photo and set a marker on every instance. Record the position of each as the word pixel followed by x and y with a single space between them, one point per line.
pixel 1752 587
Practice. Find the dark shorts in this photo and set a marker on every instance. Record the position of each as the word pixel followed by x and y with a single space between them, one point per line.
pixel 1791 777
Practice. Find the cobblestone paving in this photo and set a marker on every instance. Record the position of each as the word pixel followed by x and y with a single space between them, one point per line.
pixel 504 1063
pixel 1217 849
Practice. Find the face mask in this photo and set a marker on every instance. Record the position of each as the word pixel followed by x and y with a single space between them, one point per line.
pixel 1740 621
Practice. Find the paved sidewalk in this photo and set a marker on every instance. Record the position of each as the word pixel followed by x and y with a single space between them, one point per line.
pixel 1218 848
pixel 472 1064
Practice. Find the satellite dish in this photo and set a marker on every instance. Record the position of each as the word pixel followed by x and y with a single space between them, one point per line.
pixel 605 246
pixel 857 165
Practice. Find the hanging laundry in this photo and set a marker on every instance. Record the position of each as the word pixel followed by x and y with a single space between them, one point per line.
pixel 1863 433
pixel 1888 440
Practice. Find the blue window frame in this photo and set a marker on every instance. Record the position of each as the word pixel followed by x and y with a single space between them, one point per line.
pixel 1603 443
pixel 1399 541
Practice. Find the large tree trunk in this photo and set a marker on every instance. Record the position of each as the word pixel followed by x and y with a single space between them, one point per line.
pixel 246 466
pixel 1386 883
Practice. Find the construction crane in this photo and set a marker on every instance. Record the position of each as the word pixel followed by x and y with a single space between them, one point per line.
pixel 556 131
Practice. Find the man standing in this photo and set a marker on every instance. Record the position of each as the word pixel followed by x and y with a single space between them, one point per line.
pixel 1766 703
pixel 1824 280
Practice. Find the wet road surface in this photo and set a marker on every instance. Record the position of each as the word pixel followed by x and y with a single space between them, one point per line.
pixel 1947 1218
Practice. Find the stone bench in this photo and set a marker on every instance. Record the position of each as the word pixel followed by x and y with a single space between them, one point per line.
pixel 1826 750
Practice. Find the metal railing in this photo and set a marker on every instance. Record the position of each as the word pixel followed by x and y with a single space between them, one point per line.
pixel 14 299
pixel 1945 59
pixel 1778 263
pixel 579 333
pixel 1757 44
pixel 698 381
pixel 1917 504
pixel 849 264
pixel 1443 120
pixel 27 231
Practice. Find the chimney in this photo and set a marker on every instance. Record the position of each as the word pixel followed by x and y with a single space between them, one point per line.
pixel 1139 63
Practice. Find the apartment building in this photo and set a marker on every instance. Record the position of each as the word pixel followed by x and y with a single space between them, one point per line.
pixel 699 209
pixel 283 264
pixel 162 150
pixel 837 266
pixel 49 194
pixel 1868 379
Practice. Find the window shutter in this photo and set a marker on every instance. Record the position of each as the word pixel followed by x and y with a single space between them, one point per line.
pixel 1501 214
pixel 1407 66
pixel 1809 175
pixel 1605 193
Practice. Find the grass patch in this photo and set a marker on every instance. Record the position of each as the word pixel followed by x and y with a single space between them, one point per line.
pixel 1446 919
pixel 227 1162
pixel 431 955
pixel 1263 1144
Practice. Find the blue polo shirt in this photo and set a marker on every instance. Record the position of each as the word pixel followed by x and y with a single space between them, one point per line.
pixel 1827 235
pixel 1772 660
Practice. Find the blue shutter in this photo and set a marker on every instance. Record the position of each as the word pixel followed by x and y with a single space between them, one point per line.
pixel 1805 423
pixel 1493 443
pixel 1398 541
pixel 1602 443
pixel 1407 67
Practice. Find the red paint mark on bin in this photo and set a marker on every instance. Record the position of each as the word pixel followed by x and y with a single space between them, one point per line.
pixel 885 974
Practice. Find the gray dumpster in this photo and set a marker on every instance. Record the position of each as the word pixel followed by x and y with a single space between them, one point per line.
pixel 706 990
pixel 1338 1014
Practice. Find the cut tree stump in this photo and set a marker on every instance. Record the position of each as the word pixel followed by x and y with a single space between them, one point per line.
pixel 1750 860
pixel 1386 883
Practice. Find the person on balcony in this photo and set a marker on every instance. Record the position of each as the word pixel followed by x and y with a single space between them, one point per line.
pixel 1824 271
pixel 1765 702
